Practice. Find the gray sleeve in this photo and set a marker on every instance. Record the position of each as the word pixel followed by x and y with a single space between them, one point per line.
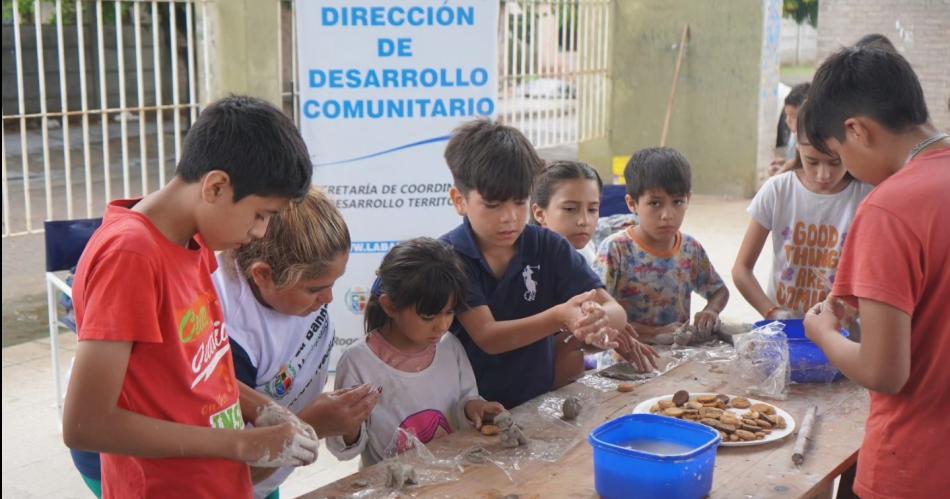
pixel 468 388
pixel 347 377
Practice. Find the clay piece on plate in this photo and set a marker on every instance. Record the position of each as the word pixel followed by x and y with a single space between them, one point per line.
pixel 511 433
pixel 681 397
pixel 399 475
pixel 570 408
pixel 763 408
pixel 740 403
pixel 706 399
pixel 745 435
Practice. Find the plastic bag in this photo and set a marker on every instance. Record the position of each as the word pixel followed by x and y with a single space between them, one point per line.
pixel 762 361
pixel 427 470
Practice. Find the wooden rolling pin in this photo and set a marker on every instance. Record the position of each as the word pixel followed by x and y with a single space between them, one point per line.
pixel 804 435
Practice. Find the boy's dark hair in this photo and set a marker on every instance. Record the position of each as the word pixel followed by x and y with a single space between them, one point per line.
pixel 254 143
pixel 876 40
pixel 496 160
pixel 796 96
pixel 658 168
pixel 561 171
pixel 423 273
pixel 862 81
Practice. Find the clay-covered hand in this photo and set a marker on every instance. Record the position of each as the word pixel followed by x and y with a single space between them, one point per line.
pixel 341 411
pixel 477 409
pixel 275 446
pixel 706 321
pixel 639 355
pixel 825 318
pixel 592 328
pixel 779 314
pixel 274 414
pixel 582 316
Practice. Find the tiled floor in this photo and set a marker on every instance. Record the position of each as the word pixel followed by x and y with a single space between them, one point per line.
pixel 36 464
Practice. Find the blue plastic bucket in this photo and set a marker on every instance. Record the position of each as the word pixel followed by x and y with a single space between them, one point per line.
pixel 623 468
pixel 807 361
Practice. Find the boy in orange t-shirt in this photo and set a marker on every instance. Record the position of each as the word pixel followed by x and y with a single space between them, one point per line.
pixel 866 106
pixel 153 387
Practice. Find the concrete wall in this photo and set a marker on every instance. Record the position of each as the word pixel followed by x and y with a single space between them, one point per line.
pixel 244 46
pixel 920 29
pixel 725 85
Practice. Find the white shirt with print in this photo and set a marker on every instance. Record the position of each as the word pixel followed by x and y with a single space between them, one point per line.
pixel 291 353
pixel 428 403
pixel 808 233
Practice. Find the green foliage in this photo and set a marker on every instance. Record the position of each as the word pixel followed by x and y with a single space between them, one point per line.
pixel 801 11
pixel 27 10
pixel 24 7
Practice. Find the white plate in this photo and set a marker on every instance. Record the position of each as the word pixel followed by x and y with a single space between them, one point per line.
pixel 644 408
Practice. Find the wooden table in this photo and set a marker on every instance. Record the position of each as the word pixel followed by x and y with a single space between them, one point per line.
pixel 741 472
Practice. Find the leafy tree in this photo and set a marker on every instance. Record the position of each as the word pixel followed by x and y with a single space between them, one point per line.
pixel 801 11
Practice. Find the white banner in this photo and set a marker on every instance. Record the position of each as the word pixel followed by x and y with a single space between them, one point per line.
pixel 382 84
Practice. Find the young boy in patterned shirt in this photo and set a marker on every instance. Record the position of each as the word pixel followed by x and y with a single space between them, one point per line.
pixel 652 268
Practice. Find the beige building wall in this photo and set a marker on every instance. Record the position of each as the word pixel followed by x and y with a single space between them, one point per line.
pixel 919 29
pixel 244 43
pixel 724 115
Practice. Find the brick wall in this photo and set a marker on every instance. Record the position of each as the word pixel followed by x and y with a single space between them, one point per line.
pixel 920 29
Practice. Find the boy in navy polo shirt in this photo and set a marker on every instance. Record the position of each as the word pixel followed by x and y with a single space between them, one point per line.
pixel 526 283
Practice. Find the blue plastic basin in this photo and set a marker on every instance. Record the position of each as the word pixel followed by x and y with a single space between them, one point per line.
pixel 622 472
pixel 807 361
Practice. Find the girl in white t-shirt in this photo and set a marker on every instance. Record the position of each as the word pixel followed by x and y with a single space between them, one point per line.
pixel 274 292
pixel 426 384
pixel 808 212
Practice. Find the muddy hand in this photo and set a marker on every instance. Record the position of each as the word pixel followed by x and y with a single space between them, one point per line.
pixel 281 445
pixel 342 411
pixel 479 410
pixel 592 323
pixel 639 355
pixel 705 321
pixel 821 320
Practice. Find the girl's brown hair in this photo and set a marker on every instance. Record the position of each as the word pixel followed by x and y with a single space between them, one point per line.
pixel 300 241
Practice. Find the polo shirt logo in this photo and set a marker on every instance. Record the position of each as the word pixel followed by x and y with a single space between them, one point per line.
pixel 530 285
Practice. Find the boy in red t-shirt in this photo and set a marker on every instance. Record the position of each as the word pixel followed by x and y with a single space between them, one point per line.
pixel 866 106
pixel 153 385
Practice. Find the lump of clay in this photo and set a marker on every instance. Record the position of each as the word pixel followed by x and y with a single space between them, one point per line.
pixel 513 437
pixel 681 397
pixel 511 434
pixel 688 335
pixel 399 475
pixel 570 408
pixel 503 420
pixel 478 455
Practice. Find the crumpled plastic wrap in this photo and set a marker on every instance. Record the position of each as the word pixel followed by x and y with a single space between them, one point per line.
pixel 762 364
pixel 429 470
